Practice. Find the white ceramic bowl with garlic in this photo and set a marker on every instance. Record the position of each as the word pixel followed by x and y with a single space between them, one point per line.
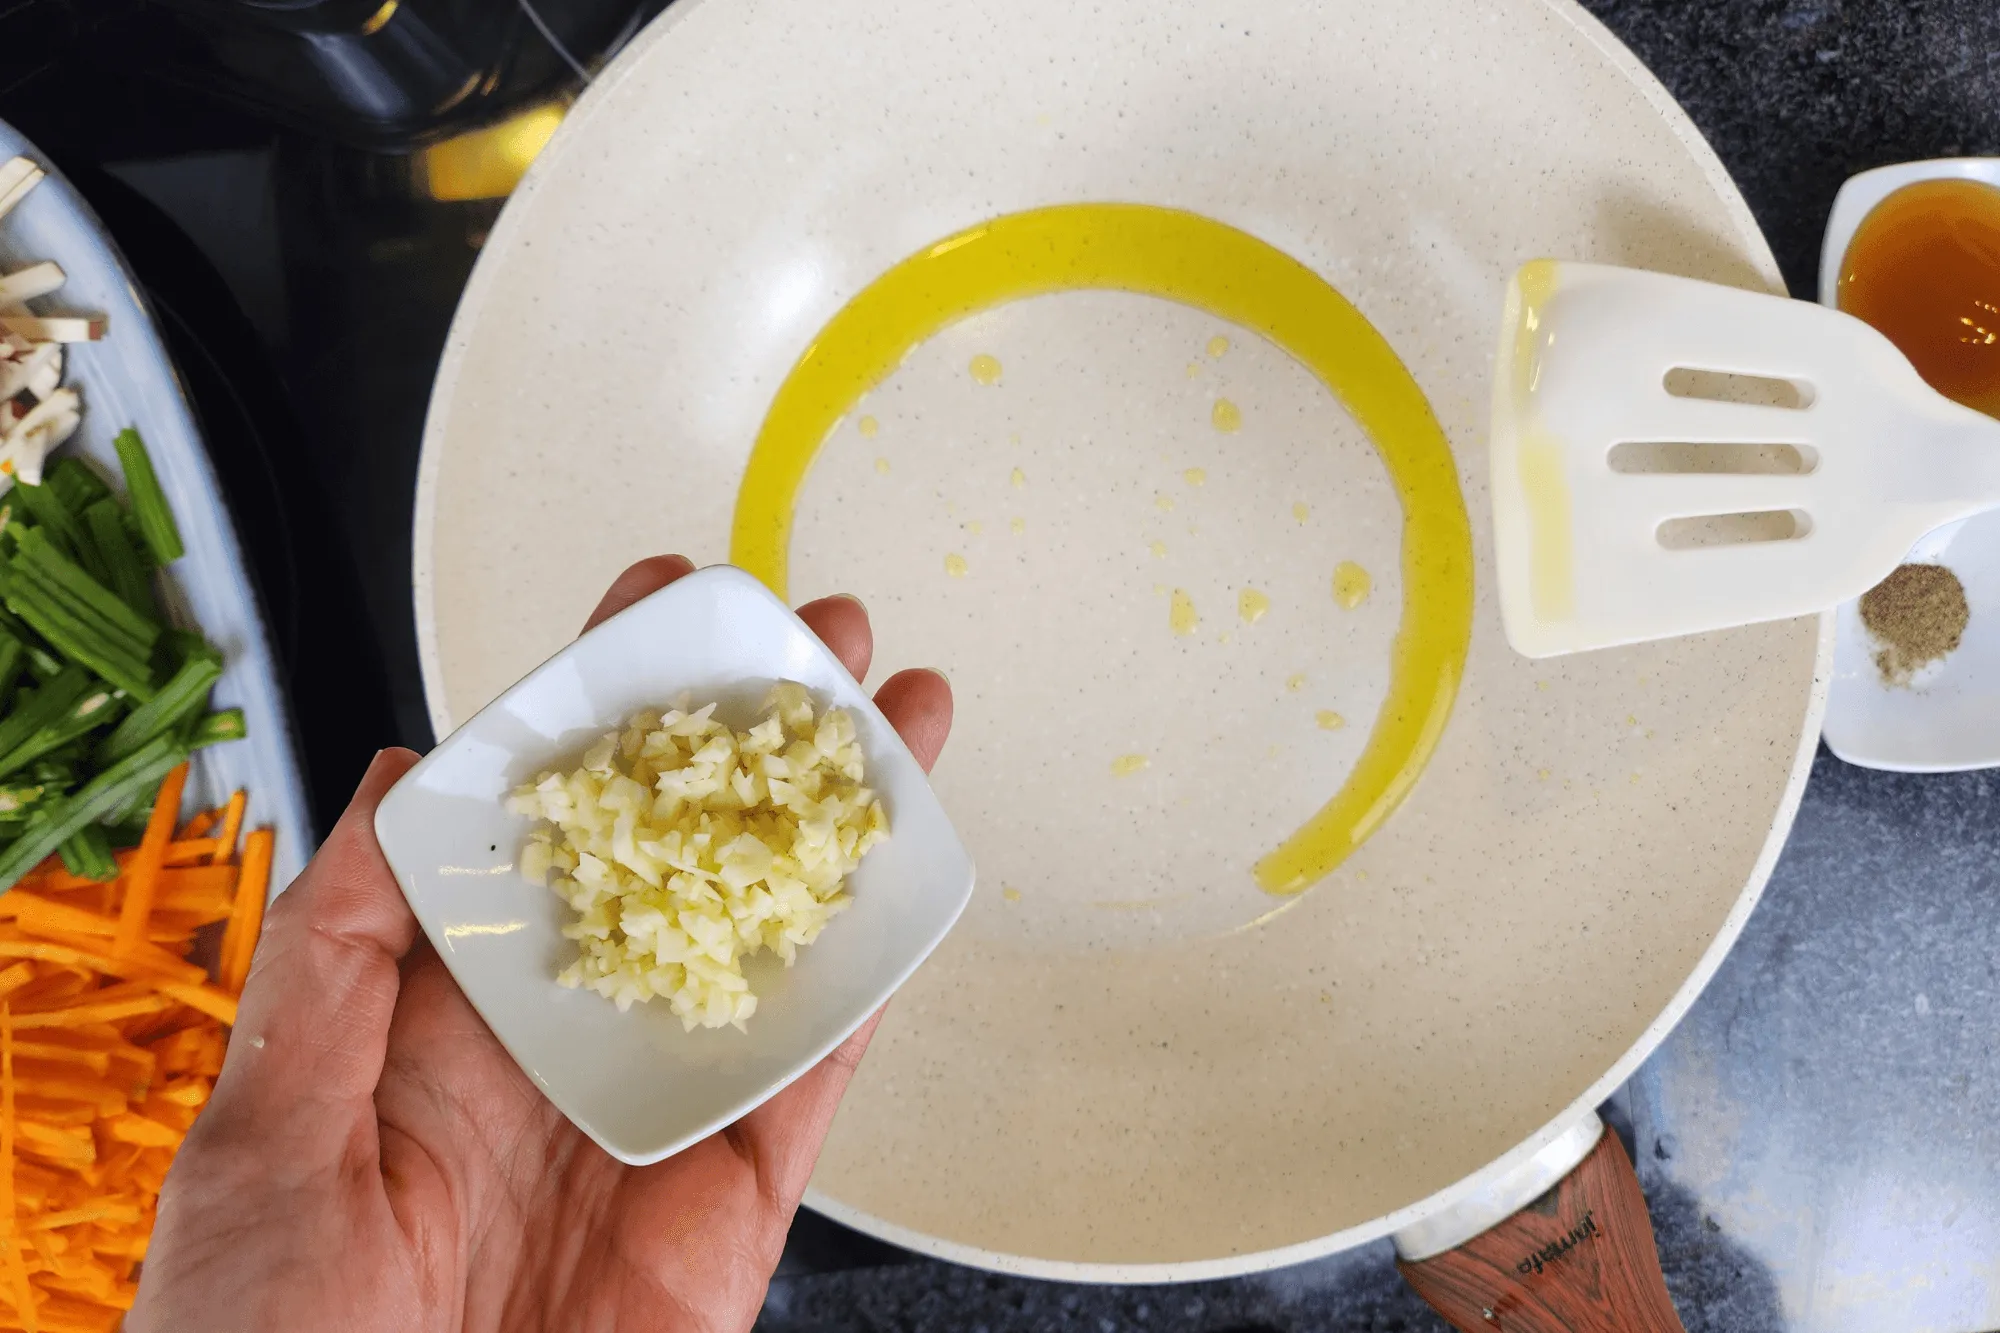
pixel 647 1077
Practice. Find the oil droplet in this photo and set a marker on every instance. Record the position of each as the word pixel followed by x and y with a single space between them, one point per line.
pixel 1631 719
pixel 1019 525
pixel 1019 478
pixel 1010 893
pixel 1296 683
pixel 986 369
pixel 1226 416
pixel 1125 765
pixel 1218 345
pixel 1165 502
pixel 1329 720
pixel 1193 369
pixel 1180 612
pixel 1350 584
pixel 869 425
pixel 1195 476
pixel 1160 550
pixel 1224 637
pixel 1252 605
pixel 1159 590
pixel 954 565
pixel 1300 512
pixel 1542 774
pixel 1635 779
pixel 975 527
pixel 1273 752
pixel 1541 685
pixel 882 466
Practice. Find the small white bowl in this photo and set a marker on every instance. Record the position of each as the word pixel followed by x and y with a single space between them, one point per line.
pixel 634 1081
pixel 1948 718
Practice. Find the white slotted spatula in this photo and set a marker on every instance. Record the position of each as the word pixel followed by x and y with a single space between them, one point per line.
pixel 1597 546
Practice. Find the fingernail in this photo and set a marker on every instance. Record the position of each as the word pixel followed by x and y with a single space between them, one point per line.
pixel 939 674
pixel 848 597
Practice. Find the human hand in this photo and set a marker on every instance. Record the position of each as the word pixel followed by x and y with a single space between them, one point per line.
pixel 373 1160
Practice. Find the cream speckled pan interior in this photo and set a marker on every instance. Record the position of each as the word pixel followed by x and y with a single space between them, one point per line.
pixel 1121 1065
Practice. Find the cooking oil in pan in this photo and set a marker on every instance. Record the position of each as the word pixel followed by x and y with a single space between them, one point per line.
pixel 1195 261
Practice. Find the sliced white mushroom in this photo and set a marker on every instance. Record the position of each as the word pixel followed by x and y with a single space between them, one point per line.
pixel 17 177
pixel 13 454
pixel 57 432
pixel 45 368
pixel 54 328
pixel 39 372
pixel 32 448
pixel 58 404
pixel 26 284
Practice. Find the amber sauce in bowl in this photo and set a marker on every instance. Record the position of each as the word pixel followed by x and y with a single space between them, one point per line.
pixel 1924 268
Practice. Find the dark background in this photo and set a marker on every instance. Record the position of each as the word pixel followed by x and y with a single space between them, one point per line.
pixel 305 288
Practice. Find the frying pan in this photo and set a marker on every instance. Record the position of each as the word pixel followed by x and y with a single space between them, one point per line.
pixel 1129 1062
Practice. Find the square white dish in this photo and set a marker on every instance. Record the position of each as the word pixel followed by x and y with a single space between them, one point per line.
pixel 1948 718
pixel 635 1081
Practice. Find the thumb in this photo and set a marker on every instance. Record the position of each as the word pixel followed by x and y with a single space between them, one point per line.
pixel 313 1027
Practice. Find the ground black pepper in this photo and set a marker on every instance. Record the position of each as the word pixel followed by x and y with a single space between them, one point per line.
pixel 1916 615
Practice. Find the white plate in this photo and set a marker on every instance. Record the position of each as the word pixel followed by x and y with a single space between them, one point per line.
pixel 634 1081
pixel 128 380
pixel 1948 718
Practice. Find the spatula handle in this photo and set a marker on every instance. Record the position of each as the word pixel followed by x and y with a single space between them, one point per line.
pixel 1580 1259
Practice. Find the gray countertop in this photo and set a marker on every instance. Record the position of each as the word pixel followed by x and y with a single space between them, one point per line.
pixel 1817 1139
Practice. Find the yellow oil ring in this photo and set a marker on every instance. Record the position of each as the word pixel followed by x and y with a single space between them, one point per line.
pixel 1195 261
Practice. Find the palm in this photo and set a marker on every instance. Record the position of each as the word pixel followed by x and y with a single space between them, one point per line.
pixel 374 1160
pixel 570 1236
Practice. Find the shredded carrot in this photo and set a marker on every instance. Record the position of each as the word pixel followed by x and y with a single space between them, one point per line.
pixel 132 1128
pixel 232 825
pixel 193 852
pixel 156 963
pixel 111 1038
pixel 239 940
pixel 10 1220
pixel 7 1200
pixel 200 826
pixel 217 1004
pixel 142 877
pixel 53 877
pixel 197 888
pixel 78 1015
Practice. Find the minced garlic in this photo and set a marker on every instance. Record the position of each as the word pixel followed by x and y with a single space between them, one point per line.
pixel 685 847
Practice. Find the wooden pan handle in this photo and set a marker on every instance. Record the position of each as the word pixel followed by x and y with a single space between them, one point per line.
pixel 1580 1259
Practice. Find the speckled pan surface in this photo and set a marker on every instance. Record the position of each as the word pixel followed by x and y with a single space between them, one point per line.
pixel 1115 1067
